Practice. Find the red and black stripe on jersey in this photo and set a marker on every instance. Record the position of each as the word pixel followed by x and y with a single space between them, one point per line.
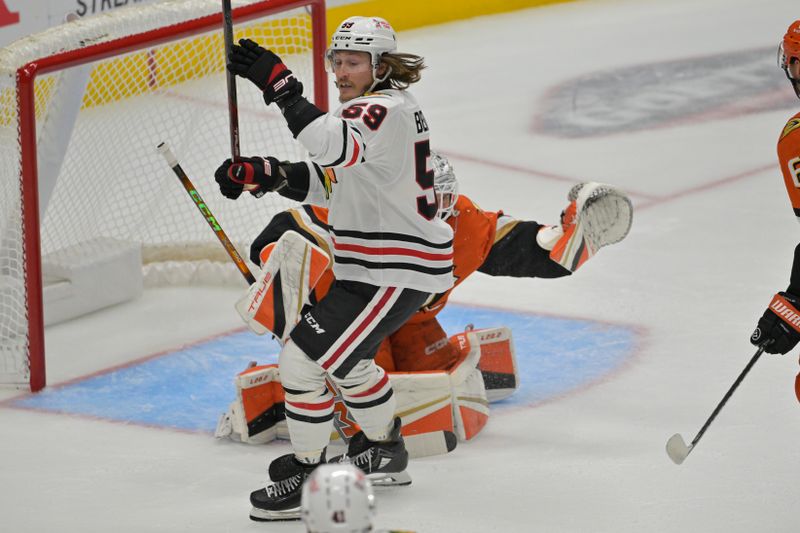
pixel 352 141
pixel 372 250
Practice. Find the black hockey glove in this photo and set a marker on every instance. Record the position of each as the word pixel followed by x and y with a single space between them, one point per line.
pixel 265 69
pixel 779 324
pixel 261 174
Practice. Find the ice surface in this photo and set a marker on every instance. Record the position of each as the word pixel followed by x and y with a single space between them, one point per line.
pixel 712 240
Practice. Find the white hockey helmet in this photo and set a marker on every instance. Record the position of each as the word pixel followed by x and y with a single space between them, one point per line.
pixel 337 498
pixel 444 184
pixel 373 35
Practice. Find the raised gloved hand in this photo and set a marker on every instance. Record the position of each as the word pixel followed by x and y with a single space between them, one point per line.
pixel 779 326
pixel 265 70
pixel 259 174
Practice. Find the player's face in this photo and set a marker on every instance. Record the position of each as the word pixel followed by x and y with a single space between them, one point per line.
pixel 353 71
pixel 794 69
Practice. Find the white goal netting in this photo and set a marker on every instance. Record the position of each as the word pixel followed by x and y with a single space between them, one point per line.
pixel 102 186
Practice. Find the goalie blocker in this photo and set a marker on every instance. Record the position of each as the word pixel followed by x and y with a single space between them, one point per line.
pixel 291 267
pixel 435 406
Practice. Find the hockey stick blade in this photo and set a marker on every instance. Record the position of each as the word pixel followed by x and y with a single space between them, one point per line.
pixel 676 446
pixel 677 449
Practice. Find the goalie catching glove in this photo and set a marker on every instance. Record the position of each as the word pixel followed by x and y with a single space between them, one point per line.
pixel 779 326
pixel 597 215
pixel 259 174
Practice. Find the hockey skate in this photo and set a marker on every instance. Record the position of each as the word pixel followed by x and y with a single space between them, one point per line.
pixel 384 463
pixel 280 500
pixel 597 215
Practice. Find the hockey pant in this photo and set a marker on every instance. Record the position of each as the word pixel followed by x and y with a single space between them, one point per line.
pixel 418 345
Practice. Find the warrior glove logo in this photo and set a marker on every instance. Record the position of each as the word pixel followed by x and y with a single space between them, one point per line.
pixel 785 310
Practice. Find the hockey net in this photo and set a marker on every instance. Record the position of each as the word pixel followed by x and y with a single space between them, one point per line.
pixel 83 190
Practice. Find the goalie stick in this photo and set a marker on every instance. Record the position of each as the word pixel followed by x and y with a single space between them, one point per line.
pixel 677 449
pixel 164 150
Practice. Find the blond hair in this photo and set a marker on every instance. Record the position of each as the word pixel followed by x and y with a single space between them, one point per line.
pixel 405 70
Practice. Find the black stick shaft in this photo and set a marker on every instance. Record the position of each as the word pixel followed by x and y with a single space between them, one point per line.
pixel 729 393
pixel 233 105
pixel 206 212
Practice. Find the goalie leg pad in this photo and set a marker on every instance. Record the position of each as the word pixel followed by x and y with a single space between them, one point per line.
pixel 258 412
pixel 497 362
pixel 424 401
pixel 292 267
pixel 470 404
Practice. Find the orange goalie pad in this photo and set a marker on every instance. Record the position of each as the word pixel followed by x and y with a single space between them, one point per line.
pixel 262 400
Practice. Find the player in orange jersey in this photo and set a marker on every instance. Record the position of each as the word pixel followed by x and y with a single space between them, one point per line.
pixel 484 241
pixel 779 327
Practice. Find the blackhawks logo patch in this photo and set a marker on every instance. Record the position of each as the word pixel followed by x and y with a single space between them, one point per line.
pixel 330 179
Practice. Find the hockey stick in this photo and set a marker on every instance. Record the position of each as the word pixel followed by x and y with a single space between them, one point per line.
pixel 233 101
pixel 676 446
pixel 233 105
pixel 164 150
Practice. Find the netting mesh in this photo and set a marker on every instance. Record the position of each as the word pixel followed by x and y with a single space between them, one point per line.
pixel 100 175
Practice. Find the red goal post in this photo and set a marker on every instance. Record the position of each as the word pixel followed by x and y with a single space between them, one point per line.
pixel 160 79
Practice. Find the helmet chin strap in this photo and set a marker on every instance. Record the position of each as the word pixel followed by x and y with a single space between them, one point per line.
pixel 375 79
pixel 794 81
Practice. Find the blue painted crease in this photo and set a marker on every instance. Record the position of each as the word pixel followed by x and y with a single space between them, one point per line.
pixel 189 388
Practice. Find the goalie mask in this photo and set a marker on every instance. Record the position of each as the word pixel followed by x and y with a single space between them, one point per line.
pixel 337 498
pixel 445 185
pixel 364 34
pixel 789 52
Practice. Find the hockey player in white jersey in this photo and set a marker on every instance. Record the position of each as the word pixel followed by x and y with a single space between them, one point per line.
pixel 371 168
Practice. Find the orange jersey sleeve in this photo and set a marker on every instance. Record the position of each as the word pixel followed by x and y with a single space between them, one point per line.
pixel 789 158
pixel 473 236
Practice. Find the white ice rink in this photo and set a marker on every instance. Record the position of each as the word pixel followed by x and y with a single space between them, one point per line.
pixel 679 103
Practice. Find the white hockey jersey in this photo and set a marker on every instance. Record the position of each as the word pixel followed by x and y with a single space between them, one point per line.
pixel 372 159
